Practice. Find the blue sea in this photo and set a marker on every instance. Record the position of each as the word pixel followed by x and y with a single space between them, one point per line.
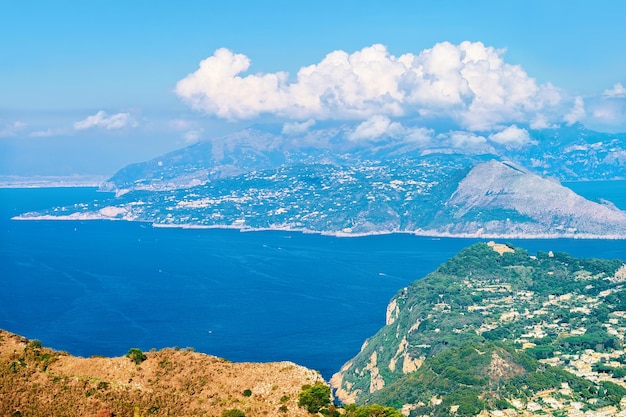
pixel 101 287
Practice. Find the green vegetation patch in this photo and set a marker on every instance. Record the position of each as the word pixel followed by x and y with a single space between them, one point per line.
pixel 480 324
pixel 136 355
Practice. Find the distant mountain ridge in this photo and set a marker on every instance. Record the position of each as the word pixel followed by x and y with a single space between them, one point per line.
pixel 569 153
pixel 229 156
pixel 323 182
pixel 573 153
pixel 435 195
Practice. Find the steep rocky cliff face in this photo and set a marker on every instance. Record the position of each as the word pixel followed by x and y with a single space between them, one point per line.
pixel 37 381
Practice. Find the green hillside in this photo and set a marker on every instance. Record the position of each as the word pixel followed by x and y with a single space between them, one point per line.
pixel 494 328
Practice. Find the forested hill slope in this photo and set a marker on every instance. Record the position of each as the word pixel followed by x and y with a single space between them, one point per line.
pixel 497 328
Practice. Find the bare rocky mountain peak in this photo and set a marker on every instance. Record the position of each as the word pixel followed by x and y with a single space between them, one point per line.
pixel 548 206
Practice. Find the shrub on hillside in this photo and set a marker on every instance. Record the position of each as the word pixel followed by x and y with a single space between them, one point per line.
pixel 314 397
pixel 136 355
pixel 233 412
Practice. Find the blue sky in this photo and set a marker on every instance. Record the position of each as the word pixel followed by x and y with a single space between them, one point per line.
pixel 86 87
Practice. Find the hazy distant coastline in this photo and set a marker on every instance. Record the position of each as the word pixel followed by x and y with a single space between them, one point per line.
pixel 53 181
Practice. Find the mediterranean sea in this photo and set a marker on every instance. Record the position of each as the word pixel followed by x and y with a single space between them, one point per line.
pixel 102 287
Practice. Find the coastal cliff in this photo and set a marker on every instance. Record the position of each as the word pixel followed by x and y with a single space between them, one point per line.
pixel 498 331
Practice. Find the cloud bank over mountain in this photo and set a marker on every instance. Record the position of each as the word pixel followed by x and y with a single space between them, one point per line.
pixel 469 83
pixel 422 97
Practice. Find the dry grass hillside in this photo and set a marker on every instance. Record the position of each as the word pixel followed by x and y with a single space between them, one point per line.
pixel 37 381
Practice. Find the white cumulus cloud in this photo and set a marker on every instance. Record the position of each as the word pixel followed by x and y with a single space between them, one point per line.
pixel 376 127
pixel 102 120
pixel 466 140
pixel 217 88
pixel 511 136
pixel 295 128
pixel 618 90
pixel 577 112
pixel 469 83
pixel 381 127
